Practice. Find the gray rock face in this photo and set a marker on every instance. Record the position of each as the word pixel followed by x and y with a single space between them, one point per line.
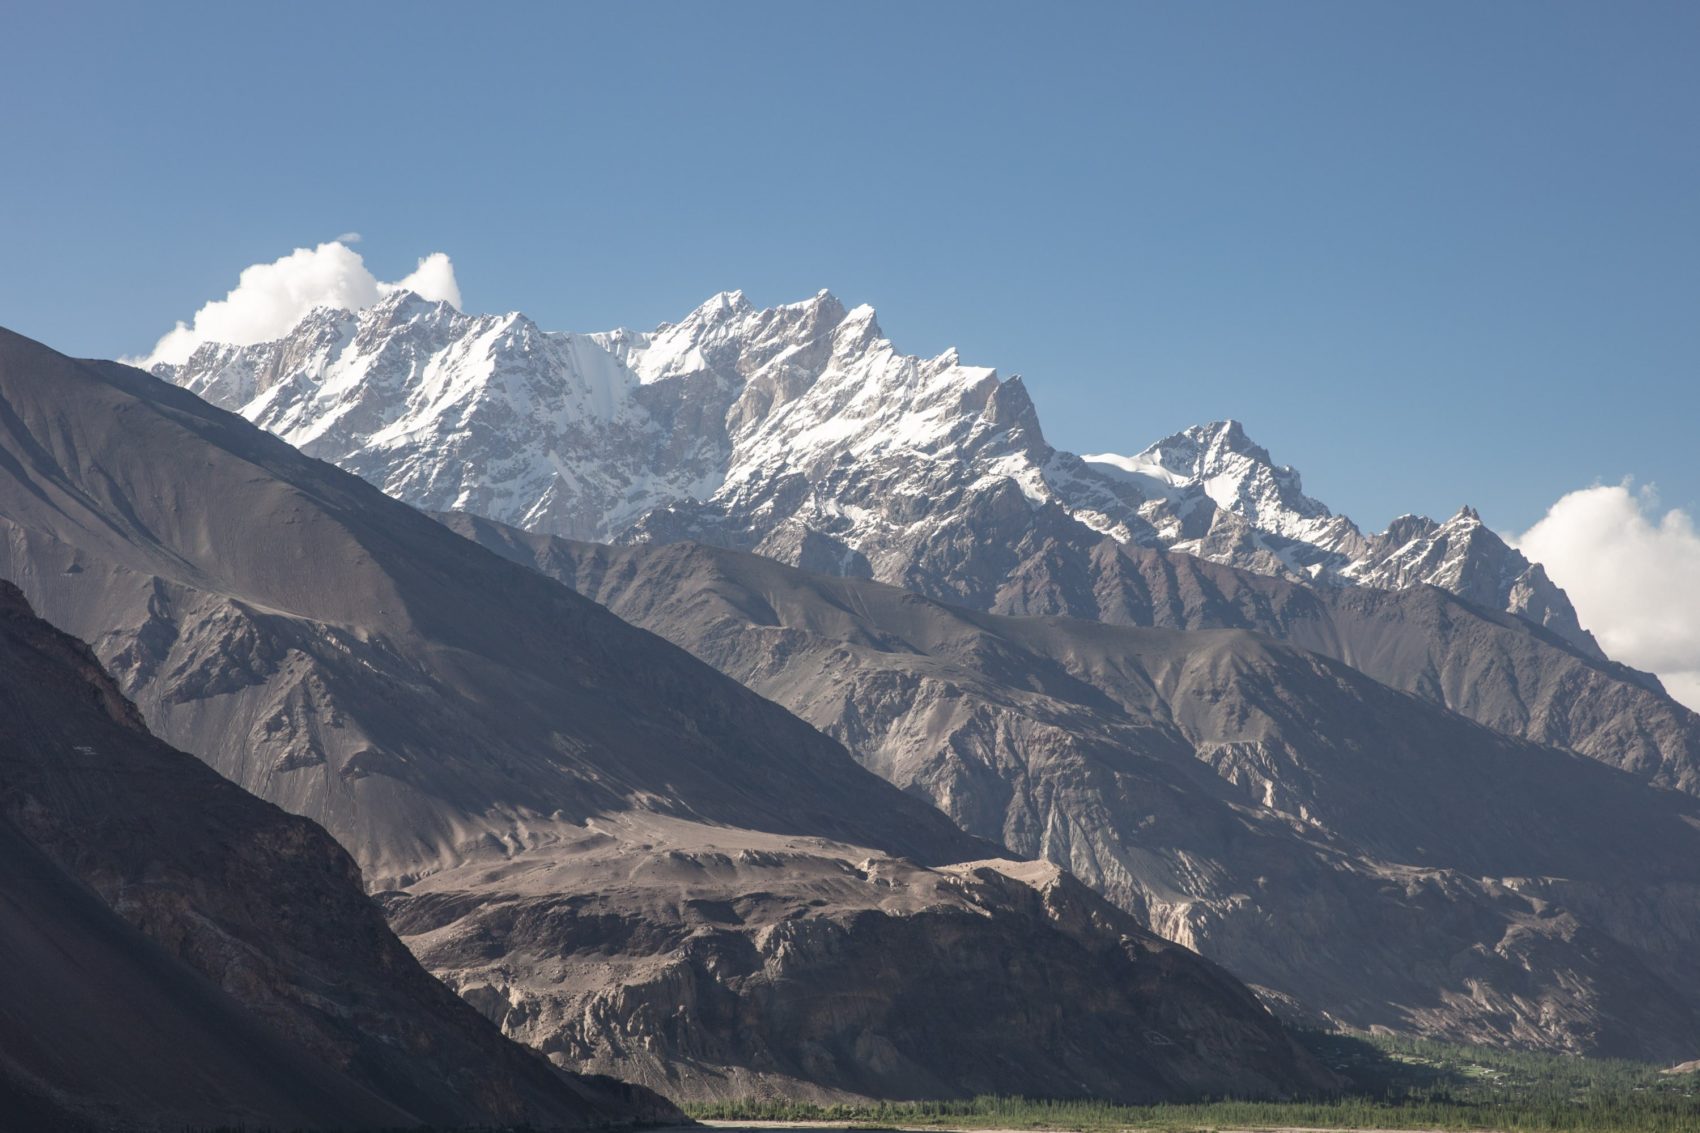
pixel 799 432
pixel 495 751
pixel 1362 855
pixel 181 953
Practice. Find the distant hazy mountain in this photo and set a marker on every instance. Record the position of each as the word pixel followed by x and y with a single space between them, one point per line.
pixel 1364 855
pixel 621 855
pixel 799 432
pixel 179 953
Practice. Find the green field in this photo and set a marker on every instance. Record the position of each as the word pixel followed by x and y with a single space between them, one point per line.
pixel 1396 1084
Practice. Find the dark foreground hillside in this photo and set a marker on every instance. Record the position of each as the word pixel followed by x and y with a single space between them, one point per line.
pixel 176 952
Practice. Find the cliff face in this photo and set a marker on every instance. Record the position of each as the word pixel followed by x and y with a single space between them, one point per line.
pixel 194 955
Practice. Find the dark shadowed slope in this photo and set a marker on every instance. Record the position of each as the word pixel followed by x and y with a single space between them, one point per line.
pixel 624 857
pixel 175 951
pixel 1354 849
pixel 103 1023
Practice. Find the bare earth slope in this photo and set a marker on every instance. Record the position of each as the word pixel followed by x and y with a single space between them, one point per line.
pixel 1357 851
pixel 731 964
pixel 175 951
pixel 556 804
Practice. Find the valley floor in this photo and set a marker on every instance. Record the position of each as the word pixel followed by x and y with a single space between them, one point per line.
pixel 1222 1119
pixel 758 1126
pixel 1397 1086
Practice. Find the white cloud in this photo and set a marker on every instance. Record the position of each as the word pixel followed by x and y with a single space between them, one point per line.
pixel 348 238
pixel 269 299
pixel 1633 575
pixel 433 279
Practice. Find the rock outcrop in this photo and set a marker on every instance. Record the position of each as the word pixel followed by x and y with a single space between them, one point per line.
pixel 732 964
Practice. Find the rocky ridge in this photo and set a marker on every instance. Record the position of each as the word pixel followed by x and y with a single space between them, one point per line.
pixel 729 964
pixel 799 432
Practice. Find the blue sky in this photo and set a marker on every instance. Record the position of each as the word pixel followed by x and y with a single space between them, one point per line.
pixel 1430 253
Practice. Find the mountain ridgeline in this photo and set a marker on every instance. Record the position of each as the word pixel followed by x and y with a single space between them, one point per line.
pixel 796 431
pixel 801 433
pixel 745 708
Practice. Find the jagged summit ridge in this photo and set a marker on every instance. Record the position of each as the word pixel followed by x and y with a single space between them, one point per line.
pixel 1206 450
pixel 1260 518
pixel 799 431
pixel 1218 468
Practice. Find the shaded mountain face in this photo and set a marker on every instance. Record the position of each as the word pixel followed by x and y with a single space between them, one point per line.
pixel 1364 856
pixel 178 952
pixel 799 432
pixel 498 753
pixel 1498 670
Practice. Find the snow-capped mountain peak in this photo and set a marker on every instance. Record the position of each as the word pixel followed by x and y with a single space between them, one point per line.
pixel 1204 450
pixel 1233 470
pixel 1216 493
pixel 797 430
pixel 1465 556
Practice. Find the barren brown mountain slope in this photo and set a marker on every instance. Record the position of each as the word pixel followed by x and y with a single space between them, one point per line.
pixel 1359 852
pixel 565 812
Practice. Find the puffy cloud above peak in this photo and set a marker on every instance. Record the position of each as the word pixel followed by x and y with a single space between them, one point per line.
pixel 433 279
pixel 1634 576
pixel 269 299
